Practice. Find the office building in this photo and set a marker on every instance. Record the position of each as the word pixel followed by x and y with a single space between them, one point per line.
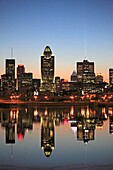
pixel 85 72
pixel 26 85
pixel 47 69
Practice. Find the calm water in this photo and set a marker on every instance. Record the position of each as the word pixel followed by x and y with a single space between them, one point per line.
pixel 56 136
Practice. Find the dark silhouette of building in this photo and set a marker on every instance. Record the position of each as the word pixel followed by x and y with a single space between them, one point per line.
pixel 74 76
pixel 58 84
pixel 36 85
pixel 111 76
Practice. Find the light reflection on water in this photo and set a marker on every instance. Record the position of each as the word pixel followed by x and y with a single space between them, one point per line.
pixel 52 136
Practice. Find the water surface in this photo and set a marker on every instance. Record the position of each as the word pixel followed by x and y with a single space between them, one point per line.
pixel 50 136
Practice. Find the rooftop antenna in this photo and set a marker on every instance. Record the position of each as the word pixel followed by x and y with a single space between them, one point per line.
pixel 11 53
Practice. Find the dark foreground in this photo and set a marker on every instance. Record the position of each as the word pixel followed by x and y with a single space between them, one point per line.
pixel 72 167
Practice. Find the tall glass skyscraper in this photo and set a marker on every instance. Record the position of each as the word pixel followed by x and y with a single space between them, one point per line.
pixel 47 69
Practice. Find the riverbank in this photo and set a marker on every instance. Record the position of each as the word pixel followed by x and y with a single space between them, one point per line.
pixel 49 103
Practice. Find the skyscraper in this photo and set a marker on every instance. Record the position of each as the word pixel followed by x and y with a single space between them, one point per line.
pixel 47 69
pixel 85 72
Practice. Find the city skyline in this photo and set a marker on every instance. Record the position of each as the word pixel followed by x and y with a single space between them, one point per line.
pixel 74 31
pixel 85 64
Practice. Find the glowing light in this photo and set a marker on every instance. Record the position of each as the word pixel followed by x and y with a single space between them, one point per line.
pixel 46 97
pixel 35 97
pixel 65 121
pixel 87 112
pixel 71 97
pixel 11 114
pixel 83 111
pixel 103 110
pixel 45 112
pixel 106 116
pixel 110 111
pixel 20 136
pixel 72 110
pixel 35 112
pixel 65 81
pixel 74 129
pixel 99 127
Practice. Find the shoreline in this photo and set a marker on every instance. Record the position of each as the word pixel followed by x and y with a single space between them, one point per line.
pixel 49 103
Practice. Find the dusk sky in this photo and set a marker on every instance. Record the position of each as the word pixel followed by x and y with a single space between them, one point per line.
pixel 74 30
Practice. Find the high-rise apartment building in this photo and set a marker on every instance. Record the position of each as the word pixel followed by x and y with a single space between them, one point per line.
pixel 47 69
pixel 111 76
pixel 85 72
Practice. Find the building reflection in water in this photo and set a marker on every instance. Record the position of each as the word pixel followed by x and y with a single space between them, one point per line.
pixel 83 120
pixel 8 120
pixel 25 122
pixel 85 125
pixel 47 133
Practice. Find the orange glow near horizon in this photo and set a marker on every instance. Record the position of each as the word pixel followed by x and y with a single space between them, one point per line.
pixel 62 74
